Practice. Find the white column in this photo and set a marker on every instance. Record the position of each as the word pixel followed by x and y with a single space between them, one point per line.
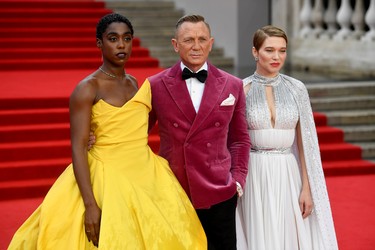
pixel 305 19
pixel 317 18
pixel 358 19
pixel 370 21
pixel 344 19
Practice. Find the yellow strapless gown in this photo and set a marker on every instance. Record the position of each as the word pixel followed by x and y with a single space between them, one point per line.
pixel 143 205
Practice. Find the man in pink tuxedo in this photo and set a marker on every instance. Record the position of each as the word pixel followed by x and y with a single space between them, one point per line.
pixel 201 117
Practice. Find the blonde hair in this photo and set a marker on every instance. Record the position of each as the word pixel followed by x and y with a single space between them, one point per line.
pixel 267 31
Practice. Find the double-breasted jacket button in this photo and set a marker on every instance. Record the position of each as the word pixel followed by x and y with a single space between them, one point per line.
pixel 175 125
pixel 208 144
pixel 217 124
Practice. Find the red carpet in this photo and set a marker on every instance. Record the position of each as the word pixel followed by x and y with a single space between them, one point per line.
pixel 46 48
pixel 351 200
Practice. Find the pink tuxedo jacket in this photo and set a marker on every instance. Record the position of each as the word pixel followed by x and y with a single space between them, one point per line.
pixel 208 151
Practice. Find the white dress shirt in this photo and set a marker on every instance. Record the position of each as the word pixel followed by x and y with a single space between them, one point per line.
pixel 195 88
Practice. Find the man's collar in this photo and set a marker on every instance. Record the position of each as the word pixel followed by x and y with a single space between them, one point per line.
pixel 204 66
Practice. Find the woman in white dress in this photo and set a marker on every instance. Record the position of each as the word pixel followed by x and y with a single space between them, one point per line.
pixel 285 205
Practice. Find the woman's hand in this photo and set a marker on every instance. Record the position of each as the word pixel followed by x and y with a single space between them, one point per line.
pixel 305 202
pixel 92 223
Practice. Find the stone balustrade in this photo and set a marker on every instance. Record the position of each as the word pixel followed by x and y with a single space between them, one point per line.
pixel 344 22
pixel 336 37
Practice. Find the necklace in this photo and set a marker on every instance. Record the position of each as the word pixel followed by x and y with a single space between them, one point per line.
pixel 109 74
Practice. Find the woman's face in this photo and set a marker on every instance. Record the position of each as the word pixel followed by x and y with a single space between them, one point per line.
pixel 117 43
pixel 271 56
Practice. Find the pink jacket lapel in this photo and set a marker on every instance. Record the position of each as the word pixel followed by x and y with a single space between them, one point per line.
pixel 179 92
pixel 212 91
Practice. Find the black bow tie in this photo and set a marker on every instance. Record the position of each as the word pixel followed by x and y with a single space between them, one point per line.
pixel 201 75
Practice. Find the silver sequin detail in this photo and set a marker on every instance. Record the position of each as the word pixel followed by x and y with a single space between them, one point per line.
pixel 258 113
pixel 260 150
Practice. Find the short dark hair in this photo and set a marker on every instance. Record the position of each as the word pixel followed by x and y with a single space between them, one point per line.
pixel 192 19
pixel 106 20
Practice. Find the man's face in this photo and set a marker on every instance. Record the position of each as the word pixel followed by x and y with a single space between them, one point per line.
pixel 193 43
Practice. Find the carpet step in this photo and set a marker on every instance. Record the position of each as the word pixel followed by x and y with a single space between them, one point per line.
pixel 53 13
pixel 328 134
pixel 36 150
pixel 61 32
pixel 39 132
pixel 154 142
pixel 41 124
pixel 71 63
pixel 44 53
pixel 320 119
pixel 34 116
pixel 141 5
pixel 25 188
pixel 24 105
pixel 348 167
pixel 33 169
pixel 46 132
pixel 7 4
pixel 340 151
pixel 47 22
pixel 19 151
pixel 53 42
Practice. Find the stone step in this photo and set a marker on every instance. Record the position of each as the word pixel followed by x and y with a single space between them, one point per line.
pixel 152 33
pixel 368 149
pixel 351 117
pixel 151 13
pixel 344 103
pixel 153 23
pixel 351 107
pixel 321 90
pixel 358 133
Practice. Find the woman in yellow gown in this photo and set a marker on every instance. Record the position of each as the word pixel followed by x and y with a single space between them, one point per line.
pixel 119 195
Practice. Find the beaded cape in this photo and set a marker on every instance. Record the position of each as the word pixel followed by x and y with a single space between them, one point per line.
pixel 322 209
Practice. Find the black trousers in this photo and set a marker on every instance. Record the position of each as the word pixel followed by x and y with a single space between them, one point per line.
pixel 219 224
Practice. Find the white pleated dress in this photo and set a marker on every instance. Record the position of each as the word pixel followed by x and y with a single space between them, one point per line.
pixel 268 214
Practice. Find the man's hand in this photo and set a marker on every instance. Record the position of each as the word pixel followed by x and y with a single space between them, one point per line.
pixel 91 141
pixel 239 189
